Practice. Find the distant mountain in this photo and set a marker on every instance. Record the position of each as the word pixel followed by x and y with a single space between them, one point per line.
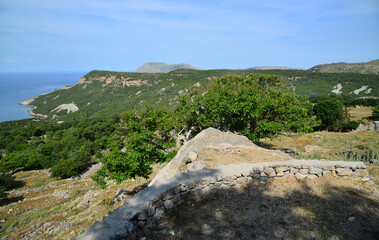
pixel 160 67
pixel 275 68
pixel 371 67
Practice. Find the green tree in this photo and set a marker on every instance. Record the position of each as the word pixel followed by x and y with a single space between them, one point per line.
pixel 255 106
pixel 147 137
pixel 332 113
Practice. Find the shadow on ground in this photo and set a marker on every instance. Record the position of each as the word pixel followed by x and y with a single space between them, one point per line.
pixel 288 211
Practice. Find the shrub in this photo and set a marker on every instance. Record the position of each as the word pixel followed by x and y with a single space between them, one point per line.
pixel 76 163
pixel 332 113
pixel 7 182
pixel 375 113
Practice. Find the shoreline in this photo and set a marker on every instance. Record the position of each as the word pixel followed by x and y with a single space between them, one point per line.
pixel 28 101
pixel 27 104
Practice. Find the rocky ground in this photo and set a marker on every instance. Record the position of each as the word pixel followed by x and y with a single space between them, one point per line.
pixel 45 208
pixel 281 209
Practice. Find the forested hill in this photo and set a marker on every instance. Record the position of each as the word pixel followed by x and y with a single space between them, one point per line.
pixel 103 93
pixel 371 67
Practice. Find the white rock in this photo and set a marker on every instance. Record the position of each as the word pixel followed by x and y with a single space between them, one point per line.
pixel 366 179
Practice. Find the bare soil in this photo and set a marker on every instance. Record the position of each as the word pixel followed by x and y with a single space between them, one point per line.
pixel 213 157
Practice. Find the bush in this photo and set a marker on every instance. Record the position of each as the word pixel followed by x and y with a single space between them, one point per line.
pixel 375 113
pixel 7 182
pixel 76 163
pixel 332 113
pixel 350 125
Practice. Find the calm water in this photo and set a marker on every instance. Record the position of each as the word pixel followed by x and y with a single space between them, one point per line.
pixel 17 87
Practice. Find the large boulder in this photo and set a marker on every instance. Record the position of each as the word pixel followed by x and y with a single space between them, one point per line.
pixel 211 148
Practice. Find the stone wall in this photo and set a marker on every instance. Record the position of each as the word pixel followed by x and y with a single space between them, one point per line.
pixel 151 203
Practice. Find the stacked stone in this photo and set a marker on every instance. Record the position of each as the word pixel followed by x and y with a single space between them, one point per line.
pixel 173 196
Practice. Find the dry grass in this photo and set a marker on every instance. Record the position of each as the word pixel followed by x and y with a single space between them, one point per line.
pixel 43 214
pixel 360 113
pixel 351 146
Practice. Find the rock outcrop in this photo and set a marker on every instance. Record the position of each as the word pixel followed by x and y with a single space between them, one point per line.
pixel 213 145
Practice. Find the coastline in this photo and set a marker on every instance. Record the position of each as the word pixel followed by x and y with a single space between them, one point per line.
pixel 28 102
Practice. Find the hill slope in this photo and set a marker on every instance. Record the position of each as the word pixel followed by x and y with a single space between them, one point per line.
pixel 371 67
pixel 160 67
pixel 103 93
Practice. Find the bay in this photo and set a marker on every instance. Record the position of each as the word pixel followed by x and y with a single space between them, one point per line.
pixel 17 87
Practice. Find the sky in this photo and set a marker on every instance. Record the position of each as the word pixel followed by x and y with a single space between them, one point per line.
pixel 120 35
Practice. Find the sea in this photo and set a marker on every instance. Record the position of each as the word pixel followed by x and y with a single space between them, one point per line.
pixel 17 87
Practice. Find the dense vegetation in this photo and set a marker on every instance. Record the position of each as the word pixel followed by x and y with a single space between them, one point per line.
pixel 253 105
pixel 257 106
pixel 66 148
pixel 103 93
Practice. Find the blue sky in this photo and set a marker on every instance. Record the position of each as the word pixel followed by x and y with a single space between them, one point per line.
pixel 120 35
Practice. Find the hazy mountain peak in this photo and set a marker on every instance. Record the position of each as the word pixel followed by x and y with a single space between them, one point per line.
pixel 161 67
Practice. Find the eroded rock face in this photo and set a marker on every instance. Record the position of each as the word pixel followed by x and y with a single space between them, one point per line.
pixel 213 147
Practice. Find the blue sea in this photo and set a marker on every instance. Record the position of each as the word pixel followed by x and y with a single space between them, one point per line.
pixel 17 87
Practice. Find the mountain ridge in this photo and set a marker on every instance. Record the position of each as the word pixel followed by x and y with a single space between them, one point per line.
pixel 161 67
pixel 371 67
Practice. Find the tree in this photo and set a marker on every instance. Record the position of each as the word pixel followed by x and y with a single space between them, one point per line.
pixel 147 138
pixel 255 106
pixel 375 113
pixel 332 113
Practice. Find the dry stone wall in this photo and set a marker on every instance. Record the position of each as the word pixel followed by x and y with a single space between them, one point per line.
pixel 151 203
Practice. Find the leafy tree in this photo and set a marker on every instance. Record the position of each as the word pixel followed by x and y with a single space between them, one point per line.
pixel 255 106
pixel 147 138
pixel 332 113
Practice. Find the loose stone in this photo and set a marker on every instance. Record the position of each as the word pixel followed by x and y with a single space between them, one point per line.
pixel 311 177
pixel 168 204
pixel 300 176
pixel 168 195
pixel 315 170
pixel 344 171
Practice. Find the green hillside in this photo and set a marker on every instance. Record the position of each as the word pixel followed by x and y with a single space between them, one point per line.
pixel 371 67
pixel 103 93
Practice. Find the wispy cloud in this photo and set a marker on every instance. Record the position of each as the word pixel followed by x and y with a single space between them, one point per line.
pixel 120 32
